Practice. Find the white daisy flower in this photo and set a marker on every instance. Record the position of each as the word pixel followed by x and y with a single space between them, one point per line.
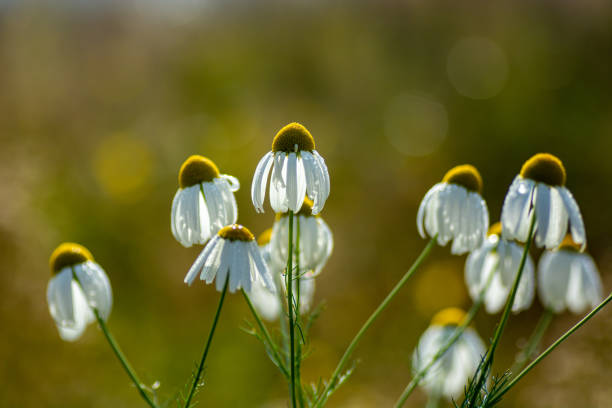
pixel 541 187
pixel 450 374
pixel 297 170
pixel 496 264
pixel 77 285
pixel 267 303
pixel 568 279
pixel 232 254
pixel 204 202
pixel 455 210
pixel 316 240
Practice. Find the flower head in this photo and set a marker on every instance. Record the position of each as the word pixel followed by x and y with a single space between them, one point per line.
pixel 454 210
pixel 493 268
pixel 449 375
pixel 204 202
pixel 297 171
pixel 77 285
pixel 540 187
pixel 232 254
pixel 316 242
pixel 568 278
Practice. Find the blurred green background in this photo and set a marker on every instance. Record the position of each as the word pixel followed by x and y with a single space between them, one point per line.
pixel 102 101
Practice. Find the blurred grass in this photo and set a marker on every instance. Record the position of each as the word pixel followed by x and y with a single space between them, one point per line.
pixel 101 104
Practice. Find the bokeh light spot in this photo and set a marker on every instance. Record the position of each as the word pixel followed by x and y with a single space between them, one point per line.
pixel 122 166
pixel 477 68
pixel 415 125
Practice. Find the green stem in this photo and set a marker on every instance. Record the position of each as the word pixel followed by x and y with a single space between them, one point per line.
pixel 433 401
pixel 196 379
pixel 347 354
pixel 546 352
pixel 451 340
pixel 298 361
pixel 126 365
pixel 534 340
pixel 488 361
pixel 290 306
pixel 272 346
pixel 115 347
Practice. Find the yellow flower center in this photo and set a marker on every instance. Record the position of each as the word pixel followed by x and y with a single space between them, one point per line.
pixel 68 254
pixel 544 168
pixel 495 229
pixel 197 169
pixel 265 237
pixel 306 210
pixel 569 245
pixel 465 175
pixel 451 316
pixel 291 136
pixel 236 232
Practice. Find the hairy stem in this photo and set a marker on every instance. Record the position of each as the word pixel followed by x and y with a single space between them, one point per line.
pixel 289 283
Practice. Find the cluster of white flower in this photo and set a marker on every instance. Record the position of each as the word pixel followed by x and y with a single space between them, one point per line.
pixel 567 276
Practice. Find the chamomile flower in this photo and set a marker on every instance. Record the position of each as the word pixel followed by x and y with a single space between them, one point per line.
pixel 297 170
pixel 267 303
pixel 448 376
pixel 204 202
pixel 493 268
pixel 455 210
pixel 316 241
pixel 540 187
pixel 568 278
pixel 77 285
pixel 232 254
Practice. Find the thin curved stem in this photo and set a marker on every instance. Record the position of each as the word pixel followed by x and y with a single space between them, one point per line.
pixel 123 360
pixel 298 361
pixel 349 350
pixel 553 346
pixel 117 350
pixel 290 306
pixel 196 379
pixel 266 334
pixel 534 340
pixel 488 361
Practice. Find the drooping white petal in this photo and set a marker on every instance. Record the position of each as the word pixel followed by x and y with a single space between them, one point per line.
pixel 200 260
pixel 424 209
pixel 553 279
pixel 313 180
pixel 296 183
pixel 516 210
pixel 278 190
pixel 96 287
pixel 238 267
pixel 584 287
pixel 214 204
pixel 232 182
pixel 229 202
pixel 263 272
pixel 82 316
pixel 59 297
pixel 542 205
pixel 219 264
pixel 260 180
pixel 227 256
pixel 323 176
pixel 575 217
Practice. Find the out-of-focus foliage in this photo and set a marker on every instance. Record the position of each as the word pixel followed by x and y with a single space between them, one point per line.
pixel 101 102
